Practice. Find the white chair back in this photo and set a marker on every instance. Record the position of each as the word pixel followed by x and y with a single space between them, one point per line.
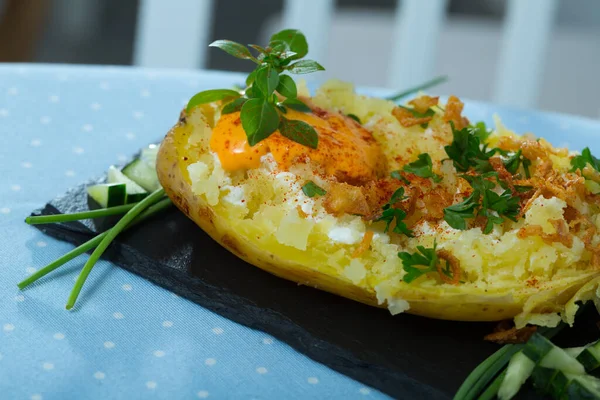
pixel 174 34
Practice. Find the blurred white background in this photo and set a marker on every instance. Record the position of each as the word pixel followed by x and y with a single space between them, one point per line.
pixel 359 42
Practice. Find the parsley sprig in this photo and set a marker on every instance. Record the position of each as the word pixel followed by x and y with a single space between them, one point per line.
pixel 469 151
pixel 390 213
pixel 423 167
pixel 466 150
pixel 311 189
pixel 581 161
pixel 416 264
pixel 483 202
pixel 270 92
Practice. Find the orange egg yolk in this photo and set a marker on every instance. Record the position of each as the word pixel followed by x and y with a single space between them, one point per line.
pixel 345 150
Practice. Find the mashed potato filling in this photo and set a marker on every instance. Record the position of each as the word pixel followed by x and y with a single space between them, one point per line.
pixel 259 189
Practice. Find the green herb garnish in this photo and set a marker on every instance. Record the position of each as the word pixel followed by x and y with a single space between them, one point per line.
pixel 269 91
pixel 423 167
pixel 434 82
pixel 90 244
pixel 481 131
pixel 513 162
pixel 354 117
pixel 526 165
pixel 397 196
pixel 457 214
pixel 398 175
pixel 398 214
pixel 390 214
pixel 483 202
pixel 416 264
pixel 234 106
pixel 107 240
pixel 104 212
pixel 467 151
pixel 311 189
pixel 581 161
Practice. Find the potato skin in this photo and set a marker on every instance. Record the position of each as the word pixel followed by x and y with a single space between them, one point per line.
pixel 173 177
pixel 444 303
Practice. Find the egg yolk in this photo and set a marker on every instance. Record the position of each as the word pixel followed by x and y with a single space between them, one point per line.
pixel 345 150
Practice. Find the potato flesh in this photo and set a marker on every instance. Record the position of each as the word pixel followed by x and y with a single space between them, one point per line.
pixel 266 212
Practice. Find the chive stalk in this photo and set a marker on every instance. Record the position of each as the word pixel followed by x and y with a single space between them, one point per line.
pixel 90 244
pixel 104 212
pixel 423 86
pixel 106 240
pixel 492 391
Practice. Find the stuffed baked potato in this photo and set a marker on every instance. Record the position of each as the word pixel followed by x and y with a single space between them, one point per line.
pixel 318 216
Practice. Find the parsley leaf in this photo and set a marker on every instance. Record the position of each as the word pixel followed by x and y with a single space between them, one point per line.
pixel 586 157
pixel 526 165
pixel 397 196
pixel 513 162
pixel 417 264
pixel 483 202
pixel 389 214
pixel 311 189
pixel 354 117
pixel 465 151
pixel 423 167
pixel 399 176
pixel 456 214
pixel 481 131
pixel 498 205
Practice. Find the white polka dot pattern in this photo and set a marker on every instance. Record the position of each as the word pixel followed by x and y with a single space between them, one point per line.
pixel 127 335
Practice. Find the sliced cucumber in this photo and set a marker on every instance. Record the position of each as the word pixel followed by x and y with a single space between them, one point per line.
pixel 518 371
pixel 537 347
pixel 149 154
pixel 557 358
pixel 134 191
pixel 561 385
pixel 108 194
pixel 583 387
pixel 590 356
pixel 143 173
pixel 551 381
pixel 575 351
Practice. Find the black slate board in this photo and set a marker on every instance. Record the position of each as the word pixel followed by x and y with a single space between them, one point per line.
pixel 404 356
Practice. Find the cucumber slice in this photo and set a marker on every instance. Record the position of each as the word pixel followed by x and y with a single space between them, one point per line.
pixel 557 358
pixel 143 173
pixel 551 381
pixel 590 356
pixel 108 194
pixel 518 371
pixel 149 154
pixel 561 385
pixel 537 347
pixel 575 352
pixel 583 387
pixel 135 192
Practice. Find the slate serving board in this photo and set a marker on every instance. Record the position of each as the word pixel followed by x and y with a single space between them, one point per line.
pixel 405 356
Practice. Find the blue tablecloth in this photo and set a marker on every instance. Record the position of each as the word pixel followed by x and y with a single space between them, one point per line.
pixel 128 338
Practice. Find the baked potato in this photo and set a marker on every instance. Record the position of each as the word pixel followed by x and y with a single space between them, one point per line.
pixel 324 217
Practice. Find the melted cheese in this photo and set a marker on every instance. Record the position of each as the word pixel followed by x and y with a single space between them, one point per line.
pixel 346 150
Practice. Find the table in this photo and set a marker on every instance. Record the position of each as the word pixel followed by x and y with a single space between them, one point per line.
pixel 127 338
